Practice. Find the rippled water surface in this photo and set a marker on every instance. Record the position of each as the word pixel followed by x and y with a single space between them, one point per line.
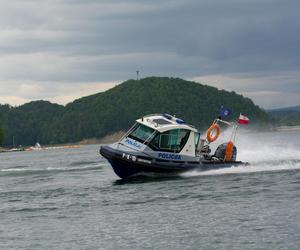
pixel 71 199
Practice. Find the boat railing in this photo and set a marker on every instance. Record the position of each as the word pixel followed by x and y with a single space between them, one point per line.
pixel 157 114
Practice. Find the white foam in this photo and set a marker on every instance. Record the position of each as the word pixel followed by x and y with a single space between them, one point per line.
pixel 264 151
pixel 245 169
pixel 17 169
pixel 86 167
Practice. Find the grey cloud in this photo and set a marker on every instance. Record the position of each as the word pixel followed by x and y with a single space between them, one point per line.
pixel 108 40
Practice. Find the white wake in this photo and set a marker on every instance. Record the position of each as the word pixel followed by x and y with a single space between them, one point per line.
pixel 268 151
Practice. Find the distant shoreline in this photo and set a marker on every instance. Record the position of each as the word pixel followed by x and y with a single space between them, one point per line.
pixel 114 137
pixel 110 138
pixel 92 141
pixel 288 128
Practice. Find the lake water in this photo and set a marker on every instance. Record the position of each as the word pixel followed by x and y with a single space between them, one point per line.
pixel 71 199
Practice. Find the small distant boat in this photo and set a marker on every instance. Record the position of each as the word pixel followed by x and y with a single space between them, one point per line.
pixel 14 148
pixel 162 143
pixel 36 147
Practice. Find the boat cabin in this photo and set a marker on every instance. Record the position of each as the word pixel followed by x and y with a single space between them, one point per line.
pixel 164 133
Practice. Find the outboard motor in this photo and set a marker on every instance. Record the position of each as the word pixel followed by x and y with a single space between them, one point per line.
pixel 221 152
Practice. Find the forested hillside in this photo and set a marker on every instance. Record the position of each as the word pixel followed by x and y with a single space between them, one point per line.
pixel 116 109
pixel 289 116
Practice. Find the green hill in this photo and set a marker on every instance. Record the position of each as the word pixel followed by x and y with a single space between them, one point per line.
pixel 289 116
pixel 116 109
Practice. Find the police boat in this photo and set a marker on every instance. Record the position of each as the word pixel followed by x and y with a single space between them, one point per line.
pixel 162 143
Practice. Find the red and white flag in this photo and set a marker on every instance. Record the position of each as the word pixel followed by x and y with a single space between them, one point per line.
pixel 243 119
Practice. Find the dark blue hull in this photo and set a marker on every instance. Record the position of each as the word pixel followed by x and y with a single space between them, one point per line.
pixel 125 167
pixel 122 169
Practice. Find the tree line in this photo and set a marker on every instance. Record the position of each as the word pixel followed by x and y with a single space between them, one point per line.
pixel 116 109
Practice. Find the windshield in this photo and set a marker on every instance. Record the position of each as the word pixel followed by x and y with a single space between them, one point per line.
pixel 141 133
pixel 170 141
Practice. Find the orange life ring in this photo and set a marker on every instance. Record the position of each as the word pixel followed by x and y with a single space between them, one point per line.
pixel 211 136
pixel 229 149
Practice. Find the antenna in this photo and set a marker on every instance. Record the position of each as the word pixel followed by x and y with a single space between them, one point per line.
pixel 137 75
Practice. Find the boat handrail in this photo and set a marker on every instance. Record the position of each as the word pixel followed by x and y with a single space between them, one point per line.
pixel 128 132
pixel 222 121
pixel 150 137
pixel 157 114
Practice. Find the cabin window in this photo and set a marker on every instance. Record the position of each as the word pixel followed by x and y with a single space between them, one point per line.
pixel 196 137
pixel 170 141
pixel 141 133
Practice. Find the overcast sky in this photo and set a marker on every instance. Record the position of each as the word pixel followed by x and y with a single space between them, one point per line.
pixel 60 50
